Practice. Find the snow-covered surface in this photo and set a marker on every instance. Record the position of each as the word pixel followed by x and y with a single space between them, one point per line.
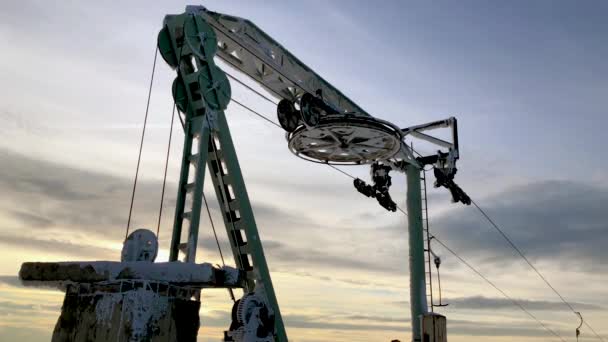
pixel 104 309
pixel 231 274
pixel 145 307
pixel 41 274
pixel 141 310
pixel 162 271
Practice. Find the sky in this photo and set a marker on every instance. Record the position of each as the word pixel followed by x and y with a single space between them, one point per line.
pixel 528 82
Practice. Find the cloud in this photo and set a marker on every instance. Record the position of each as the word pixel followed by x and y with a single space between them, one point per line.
pixel 363 322
pixel 561 222
pixel 485 303
pixel 311 322
pixel 82 205
pixel 31 220
pixel 318 258
pixel 59 246
pixel 41 194
pixel 289 259
pixel 31 334
pixel 510 329
pixel 10 280
pixel 9 308
pixel 336 322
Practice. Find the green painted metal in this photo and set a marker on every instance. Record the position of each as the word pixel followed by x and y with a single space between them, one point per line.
pixel 202 91
pixel 215 79
pixel 180 95
pixel 166 48
pixel 418 304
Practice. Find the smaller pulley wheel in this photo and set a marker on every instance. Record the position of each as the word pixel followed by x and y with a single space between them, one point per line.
pixel 215 87
pixel 180 96
pixel 200 37
pixel 165 47
pixel 311 113
pixel 288 116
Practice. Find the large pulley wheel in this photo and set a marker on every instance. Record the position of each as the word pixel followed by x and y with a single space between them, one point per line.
pixel 311 113
pixel 288 116
pixel 346 140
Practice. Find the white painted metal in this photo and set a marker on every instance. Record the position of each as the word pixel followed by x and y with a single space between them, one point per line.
pixel 434 328
pixel 249 49
pixel 344 142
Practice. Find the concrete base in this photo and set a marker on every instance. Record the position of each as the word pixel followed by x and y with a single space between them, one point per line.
pixel 138 314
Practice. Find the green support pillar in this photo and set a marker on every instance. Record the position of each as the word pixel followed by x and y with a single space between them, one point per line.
pixel 418 304
pixel 202 92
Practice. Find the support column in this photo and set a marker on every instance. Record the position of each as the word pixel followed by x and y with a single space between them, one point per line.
pixel 418 304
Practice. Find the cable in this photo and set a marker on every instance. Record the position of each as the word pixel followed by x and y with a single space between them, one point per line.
pixel 596 334
pixel 342 172
pixel 502 233
pixel 256 113
pixel 516 303
pixel 141 144
pixel 217 241
pixel 250 88
pixel 162 195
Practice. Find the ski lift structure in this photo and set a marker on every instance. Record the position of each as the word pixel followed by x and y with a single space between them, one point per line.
pixel 321 125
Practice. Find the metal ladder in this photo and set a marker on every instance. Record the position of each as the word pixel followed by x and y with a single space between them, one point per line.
pixel 427 241
pixel 194 156
pixel 235 206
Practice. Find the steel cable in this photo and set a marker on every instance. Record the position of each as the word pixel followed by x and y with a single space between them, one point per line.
pixel 162 195
pixel 141 144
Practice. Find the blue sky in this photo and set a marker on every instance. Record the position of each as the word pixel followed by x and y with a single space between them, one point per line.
pixel 527 80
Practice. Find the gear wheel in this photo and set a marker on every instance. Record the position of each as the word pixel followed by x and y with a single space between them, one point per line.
pixel 246 306
pixel 252 320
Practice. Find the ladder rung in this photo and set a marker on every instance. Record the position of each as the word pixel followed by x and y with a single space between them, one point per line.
pixel 187 215
pixel 194 158
pixel 183 247
pixel 189 187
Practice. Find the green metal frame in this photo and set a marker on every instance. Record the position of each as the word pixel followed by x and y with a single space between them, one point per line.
pixel 202 91
pixel 418 303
